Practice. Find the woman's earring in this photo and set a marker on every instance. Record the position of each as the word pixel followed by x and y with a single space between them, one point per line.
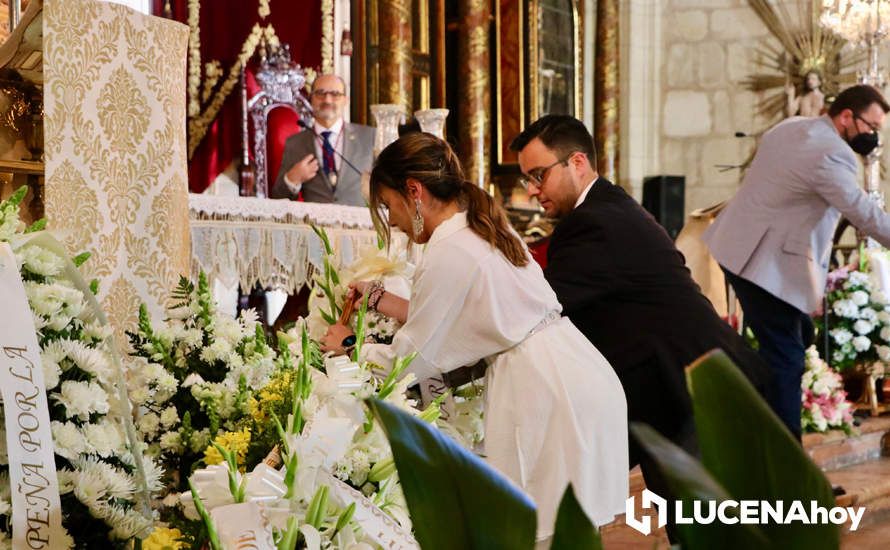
pixel 417 221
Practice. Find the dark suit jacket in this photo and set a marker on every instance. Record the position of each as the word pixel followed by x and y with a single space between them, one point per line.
pixel 624 284
pixel 358 148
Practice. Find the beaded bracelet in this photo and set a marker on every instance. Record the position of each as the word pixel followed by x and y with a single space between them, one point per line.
pixel 375 293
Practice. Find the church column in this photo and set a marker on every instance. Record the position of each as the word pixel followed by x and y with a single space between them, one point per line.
pixel 394 57
pixel 474 109
pixel 605 86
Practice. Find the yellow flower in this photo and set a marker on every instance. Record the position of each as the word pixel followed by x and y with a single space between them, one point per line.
pixel 236 442
pixel 163 538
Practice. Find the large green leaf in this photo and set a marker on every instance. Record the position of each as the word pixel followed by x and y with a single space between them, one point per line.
pixel 748 450
pixel 690 482
pixel 455 499
pixel 573 530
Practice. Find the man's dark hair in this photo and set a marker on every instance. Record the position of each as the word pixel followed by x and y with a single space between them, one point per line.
pixel 858 98
pixel 560 133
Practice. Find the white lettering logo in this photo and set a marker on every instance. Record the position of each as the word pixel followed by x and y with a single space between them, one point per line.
pixel 752 512
pixel 643 525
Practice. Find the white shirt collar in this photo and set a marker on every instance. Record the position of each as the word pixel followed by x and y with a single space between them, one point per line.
pixel 448 227
pixel 334 129
pixel 583 194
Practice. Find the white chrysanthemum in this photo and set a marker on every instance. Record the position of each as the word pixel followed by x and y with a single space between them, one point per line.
pixel 883 353
pixel 846 308
pixel 226 329
pixel 70 442
pixel 81 399
pixel 837 356
pixel 51 371
pixel 107 480
pixel 193 338
pixel 165 387
pixel 96 331
pixel 857 278
pixel 169 417
pixel 104 438
pixel 139 395
pixel 192 379
pixel 219 350
pixel 249 319
pixel 154 473
pixel 868 314
pixel 885 334
pixel 861 343
pixel 40 261
pixel 841 336
pixel 149 424
pixel 859 297
pixel 863 327
pixel 66 481
pixel 91 361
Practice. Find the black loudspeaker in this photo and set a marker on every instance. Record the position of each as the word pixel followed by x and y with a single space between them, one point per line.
pixel 665 198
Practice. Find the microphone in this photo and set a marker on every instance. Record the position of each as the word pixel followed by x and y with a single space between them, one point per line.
pixel 306 126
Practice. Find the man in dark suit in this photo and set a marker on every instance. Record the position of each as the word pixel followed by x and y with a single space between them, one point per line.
pixel 624 284
pixel 311 164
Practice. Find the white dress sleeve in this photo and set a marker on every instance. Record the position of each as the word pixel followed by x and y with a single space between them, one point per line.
pixel 458 313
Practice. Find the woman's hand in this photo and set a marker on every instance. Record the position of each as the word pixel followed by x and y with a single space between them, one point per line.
pixel 333 338
pixel 357 289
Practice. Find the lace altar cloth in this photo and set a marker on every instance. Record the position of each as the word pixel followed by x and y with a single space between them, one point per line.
pixel 268 242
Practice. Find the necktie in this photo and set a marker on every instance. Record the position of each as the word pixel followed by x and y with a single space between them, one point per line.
pixel 327 151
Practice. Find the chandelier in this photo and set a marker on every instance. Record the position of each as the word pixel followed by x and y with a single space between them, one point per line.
pixel 860 22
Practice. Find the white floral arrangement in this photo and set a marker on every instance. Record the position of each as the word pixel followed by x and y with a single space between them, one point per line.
pixel 824 404
pixel 104 487
pixel 330 285
pixel 858 320
pixel 194 374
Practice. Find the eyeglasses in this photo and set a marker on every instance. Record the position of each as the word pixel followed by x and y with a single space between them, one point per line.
pixel 874 128
pixel 535 178
pixel 319 94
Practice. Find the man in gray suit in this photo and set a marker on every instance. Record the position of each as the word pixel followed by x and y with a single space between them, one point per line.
pixel 774 237
pixel 311 163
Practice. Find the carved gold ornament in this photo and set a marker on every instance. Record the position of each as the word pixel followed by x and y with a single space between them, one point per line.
pixel 804 47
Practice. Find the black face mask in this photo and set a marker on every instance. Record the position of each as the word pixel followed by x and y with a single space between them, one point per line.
pixel 863 143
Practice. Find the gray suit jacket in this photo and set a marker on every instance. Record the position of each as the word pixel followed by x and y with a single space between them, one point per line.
pixel 777 231
pixel 358 148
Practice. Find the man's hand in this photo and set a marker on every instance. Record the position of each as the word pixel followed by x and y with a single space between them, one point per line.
pixel 304 170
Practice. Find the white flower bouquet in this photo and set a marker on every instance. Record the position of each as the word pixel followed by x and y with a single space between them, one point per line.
pixel 194 375
pixel 858 320
pixel 824 403
pixel 104 482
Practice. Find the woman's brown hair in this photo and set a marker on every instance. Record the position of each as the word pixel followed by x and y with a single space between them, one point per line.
pixel 434 164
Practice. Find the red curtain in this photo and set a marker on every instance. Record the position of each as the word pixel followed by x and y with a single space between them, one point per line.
pixel 224 26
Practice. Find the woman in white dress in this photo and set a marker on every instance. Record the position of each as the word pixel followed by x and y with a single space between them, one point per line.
pixel 555 411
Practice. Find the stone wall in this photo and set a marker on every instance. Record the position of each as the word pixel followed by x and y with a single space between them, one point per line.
pixel 708 51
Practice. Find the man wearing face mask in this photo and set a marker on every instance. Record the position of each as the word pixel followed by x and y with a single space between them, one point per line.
pixel 774 238
pixel 313 160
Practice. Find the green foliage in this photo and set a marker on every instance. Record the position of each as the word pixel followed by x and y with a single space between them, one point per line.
pixel 455 499
pixel 746 454
pixel 573 529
